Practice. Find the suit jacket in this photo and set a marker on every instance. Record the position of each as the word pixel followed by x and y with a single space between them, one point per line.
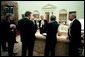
pixel 75 31
pixel 12 22
pixel 45 21
pixel 43 28
pixel 1 32
pixel 35 24
pixel 51 29
pixel 5 30
pixel 12 34
pixel 27 30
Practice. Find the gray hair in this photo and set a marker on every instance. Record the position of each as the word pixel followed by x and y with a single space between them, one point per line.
pixel 53 18
pixel 73 14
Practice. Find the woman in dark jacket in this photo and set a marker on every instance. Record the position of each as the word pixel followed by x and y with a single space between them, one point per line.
pixel 12 35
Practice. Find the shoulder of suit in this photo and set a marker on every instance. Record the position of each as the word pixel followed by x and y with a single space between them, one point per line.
pixel 22 20
pixel 44 20
pixel 77 20
pixel 35 20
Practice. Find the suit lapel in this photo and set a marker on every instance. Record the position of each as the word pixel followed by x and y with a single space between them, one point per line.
pixel 71 24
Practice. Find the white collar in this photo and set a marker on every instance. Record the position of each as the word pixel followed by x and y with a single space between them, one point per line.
pixel 52 21
pixel 27 17
pixel 73 20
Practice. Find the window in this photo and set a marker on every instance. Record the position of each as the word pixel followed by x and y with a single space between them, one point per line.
pixel 36 14
pixel 8 9
pixel 63 16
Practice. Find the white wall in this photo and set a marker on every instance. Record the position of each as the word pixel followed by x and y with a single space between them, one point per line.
pixel 82 23
pixel 78 6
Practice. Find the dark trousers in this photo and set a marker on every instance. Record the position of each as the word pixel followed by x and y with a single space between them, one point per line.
pixel 3 44
pixel 50 48
pixel 11 41
pixel 10 48
pixel 73 50
pixel 27 46
pixel 3 41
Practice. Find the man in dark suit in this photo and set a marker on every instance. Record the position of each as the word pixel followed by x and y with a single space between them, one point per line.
pixel 35 23
pixel 74 34
pixel 12 34
pixel 42 25
pixel 27 32
pixel 4 32
pixel 51 38
pixel 0 33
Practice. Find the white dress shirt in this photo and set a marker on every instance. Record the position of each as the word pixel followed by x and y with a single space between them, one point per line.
pixel 70 27
pixel 42 23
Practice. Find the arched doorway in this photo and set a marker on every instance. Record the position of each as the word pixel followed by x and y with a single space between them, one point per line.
pixel 48 10
pixel 63 16
pixel 36 14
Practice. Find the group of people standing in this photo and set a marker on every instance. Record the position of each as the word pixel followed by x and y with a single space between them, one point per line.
pixel 27 28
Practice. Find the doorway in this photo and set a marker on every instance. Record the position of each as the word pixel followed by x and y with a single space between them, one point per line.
pixel 47 16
